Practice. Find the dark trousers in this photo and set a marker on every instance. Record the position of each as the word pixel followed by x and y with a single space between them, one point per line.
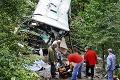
pixel 92 70
pixel 60 61
pixel 53 69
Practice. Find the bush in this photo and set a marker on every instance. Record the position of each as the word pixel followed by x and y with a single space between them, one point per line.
pixel 11 67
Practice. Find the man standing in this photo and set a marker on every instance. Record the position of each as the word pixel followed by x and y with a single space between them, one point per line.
pixel 52 57
pixel 90 58
pixel 76 58
pixel 57 49
pixel 111 62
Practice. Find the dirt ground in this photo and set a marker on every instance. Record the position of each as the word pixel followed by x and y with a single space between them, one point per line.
pixel 97 76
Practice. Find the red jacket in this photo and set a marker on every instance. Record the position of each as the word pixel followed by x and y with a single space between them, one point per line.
pixel 76 58
pixel 90 57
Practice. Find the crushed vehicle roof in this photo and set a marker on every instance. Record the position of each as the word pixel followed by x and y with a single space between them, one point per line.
pixel 53 13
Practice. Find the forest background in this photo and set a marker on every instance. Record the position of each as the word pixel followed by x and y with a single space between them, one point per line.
pixel 97 23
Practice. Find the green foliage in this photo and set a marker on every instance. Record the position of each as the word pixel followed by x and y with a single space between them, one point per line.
pixel 11 63
pixel 96 21
pixel 98 24
pixel 12 66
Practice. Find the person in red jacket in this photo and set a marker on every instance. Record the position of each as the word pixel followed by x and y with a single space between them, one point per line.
pixel 90 58
pixel 78 59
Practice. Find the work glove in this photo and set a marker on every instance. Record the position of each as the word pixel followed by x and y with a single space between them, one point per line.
pixel 68 70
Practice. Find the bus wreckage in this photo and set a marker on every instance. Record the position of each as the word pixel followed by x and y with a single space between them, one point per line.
pixel 50 22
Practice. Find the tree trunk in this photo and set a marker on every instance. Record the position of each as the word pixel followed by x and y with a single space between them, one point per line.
pixel 103 57
pixel 70 43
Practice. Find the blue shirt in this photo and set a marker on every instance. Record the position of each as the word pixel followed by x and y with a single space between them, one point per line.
pixel 111 61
